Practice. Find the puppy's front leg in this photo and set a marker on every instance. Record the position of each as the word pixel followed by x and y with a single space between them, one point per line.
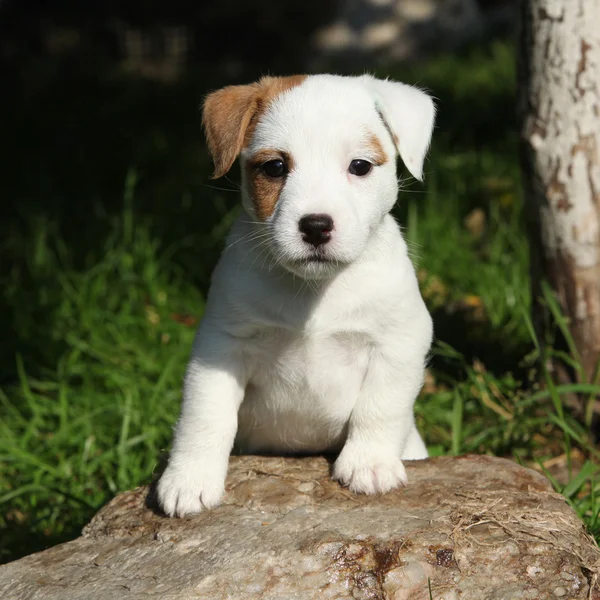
pixel 213 391
pixel 380 426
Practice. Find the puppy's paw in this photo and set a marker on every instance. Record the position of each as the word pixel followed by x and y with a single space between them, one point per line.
pixel 189 489
pixel 366 473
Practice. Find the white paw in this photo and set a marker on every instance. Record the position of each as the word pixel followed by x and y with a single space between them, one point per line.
pixel 366 473
pixel 415 448
pixel 190 487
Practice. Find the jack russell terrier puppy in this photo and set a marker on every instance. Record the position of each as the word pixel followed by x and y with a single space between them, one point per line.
pixel 315 335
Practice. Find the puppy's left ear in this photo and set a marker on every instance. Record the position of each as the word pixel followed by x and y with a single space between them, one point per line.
pixel 409 114
pixel 226 116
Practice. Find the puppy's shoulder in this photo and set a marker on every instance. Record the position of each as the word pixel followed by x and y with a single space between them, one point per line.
pixel 387 258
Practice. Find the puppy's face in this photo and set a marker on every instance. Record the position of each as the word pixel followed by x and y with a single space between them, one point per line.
pixel 318 159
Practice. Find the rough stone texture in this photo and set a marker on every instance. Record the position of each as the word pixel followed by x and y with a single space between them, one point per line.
pixel 473 527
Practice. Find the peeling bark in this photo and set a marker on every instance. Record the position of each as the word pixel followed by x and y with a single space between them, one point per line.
pixel 560 116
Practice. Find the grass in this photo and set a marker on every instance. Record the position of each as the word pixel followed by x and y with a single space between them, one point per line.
pixel 94 425
pixel 101 324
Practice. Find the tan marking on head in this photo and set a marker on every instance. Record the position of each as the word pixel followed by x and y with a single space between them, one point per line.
pixel 376 148
pixel 394 137
pixel 230 116
pixel 264 190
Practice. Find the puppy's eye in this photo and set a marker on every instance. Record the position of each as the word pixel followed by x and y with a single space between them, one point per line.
pixel 274 168
pixel 360 167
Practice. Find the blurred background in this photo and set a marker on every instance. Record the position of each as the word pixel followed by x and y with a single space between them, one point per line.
pixel 110 226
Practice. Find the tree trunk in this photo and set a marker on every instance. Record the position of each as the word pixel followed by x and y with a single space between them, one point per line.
pixel 560 111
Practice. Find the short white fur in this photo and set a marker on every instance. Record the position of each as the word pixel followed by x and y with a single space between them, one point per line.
pixel 294 355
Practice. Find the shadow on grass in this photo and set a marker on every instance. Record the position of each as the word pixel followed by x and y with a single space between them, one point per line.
pixel 21 539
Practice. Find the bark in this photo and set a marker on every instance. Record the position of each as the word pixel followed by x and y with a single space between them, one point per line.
pixel 560 112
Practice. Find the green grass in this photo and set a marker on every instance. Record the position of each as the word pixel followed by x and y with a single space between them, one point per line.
pixel 102 326
pixel 75 435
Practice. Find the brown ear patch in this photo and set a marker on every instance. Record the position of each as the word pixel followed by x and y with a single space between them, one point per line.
pixel 264 190
pixel 377 151
pixel 230 116
pixel 226 117
pixel 389 129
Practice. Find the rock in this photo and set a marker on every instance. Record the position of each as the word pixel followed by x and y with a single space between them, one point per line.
pixel 472 527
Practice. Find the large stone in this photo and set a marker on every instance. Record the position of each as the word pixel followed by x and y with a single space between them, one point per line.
pixel 473 527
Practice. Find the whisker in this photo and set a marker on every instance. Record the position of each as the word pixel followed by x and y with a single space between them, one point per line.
pixel 235 184
pixel 249 237
pixel 220 189
pixel 299 289
pixel 266 248
pixel 263 241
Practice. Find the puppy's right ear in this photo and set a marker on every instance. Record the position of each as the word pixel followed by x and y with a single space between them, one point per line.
pixel 409 113
pixel 226 116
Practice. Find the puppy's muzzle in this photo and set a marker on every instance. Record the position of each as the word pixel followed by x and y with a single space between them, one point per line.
pixel 316 229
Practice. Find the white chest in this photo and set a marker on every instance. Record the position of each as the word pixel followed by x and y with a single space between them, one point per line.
pixel 302 389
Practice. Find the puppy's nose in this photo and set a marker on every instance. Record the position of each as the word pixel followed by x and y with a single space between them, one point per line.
pixel 316 229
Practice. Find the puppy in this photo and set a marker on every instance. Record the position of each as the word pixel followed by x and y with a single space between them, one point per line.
pixel 315 335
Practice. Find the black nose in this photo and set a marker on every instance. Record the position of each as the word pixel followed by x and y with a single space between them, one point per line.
pixel 316 229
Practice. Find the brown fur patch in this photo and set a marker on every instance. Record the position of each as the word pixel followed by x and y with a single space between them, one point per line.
pixel 265 190
pixel 230 116
pixel 387 126
pixel 378 153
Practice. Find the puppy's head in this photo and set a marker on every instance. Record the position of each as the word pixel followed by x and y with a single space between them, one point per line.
pixel 318 158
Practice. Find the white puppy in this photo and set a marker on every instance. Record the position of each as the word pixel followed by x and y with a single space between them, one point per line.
pixel 315 334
